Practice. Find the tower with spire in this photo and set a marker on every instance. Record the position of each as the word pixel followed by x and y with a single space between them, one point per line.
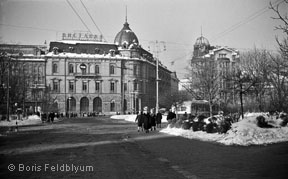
pixel 126 38
pixel 201 46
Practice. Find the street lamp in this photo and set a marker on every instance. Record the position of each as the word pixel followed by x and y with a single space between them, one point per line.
pixel 8 100
pixel 83 67
pixel 69 107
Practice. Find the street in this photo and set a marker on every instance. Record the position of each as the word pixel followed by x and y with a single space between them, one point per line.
pixel 106 148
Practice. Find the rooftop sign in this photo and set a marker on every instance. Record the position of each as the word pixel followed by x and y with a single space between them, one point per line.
pixel 82 36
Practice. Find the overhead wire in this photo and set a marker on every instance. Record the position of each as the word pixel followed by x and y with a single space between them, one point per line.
pixel 74 10
pixel 246 20
pixel 92 19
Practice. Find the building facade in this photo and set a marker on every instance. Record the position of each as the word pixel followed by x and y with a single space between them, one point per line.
pixel 216 60
pixel 23 69
pixel 83 76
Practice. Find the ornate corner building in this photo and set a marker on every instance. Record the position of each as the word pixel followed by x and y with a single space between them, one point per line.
pixel 83 76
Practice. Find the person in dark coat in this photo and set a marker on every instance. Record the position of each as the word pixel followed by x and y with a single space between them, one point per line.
pixel 171 115
pixel 139 120
pixel 153 121
pixel 146 122
pixel 52 116
pixel 158 119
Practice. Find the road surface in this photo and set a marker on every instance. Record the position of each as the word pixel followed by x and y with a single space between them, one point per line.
pixel 107 148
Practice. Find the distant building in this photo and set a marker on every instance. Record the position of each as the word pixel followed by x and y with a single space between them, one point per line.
pixel 28 64
pixel 225 59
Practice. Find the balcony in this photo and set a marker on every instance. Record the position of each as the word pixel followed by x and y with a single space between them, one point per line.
pixel 87 75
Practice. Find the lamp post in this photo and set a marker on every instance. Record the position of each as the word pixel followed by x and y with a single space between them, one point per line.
pixel 157 50
pixel 69 107
pixel 8 90
pixel 83 69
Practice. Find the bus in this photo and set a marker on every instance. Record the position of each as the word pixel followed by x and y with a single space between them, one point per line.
pixel 194 107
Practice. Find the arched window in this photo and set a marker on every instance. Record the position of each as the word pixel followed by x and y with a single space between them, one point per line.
pixel 112 69
pixel 112 105
pixel 71 68
pixel 84 104
pixel 55 68
pixel 97 105
pixel 97 69
pixel 71 104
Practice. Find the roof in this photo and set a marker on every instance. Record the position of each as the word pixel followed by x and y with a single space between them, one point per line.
pixel 126 37
pixel 201 41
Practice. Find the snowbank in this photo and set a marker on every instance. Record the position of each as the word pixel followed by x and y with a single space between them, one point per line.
pixel 245 133
pixel 132 117
pixel 34 119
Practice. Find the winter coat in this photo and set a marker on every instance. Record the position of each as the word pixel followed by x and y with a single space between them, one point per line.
pixel 139 120
pixel 146 121
pixel 153 120
pixel 171 116
pixel 158 118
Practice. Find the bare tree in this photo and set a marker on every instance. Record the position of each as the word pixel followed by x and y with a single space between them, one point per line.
pixel 278 80
pixel 205 81
pixel 244 78
pixel 12 82
pixel 256 64
pixel 279 64
pixel 283 18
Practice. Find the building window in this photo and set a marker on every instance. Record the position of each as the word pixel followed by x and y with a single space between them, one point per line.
pixel 84 86
pixel 135 69
pixel 54 68
pixel 97 86
pixel 125 87
pixel 222 55
pixel 112 106
pixel 112 86
pixel 112 70
pixel 71 86
pixel 56 86
pixel 135 86
pixel 71 68
pixel 97 69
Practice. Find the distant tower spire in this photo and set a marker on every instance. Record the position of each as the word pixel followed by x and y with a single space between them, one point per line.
pixel 201 31
pixel 126 15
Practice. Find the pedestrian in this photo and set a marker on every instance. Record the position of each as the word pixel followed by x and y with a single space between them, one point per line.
pixel 52 116
pixel 153 120
pixel 171 115
pixel 158 119
pixel 139 120
pixel 146 120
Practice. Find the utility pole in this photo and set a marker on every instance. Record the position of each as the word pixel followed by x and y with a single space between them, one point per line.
pixel 8 91
pixel 158 47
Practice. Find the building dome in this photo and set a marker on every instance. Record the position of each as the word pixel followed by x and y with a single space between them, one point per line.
pixel 126 38
pixel 202 41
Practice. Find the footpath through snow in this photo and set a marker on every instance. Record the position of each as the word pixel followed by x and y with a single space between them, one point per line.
pixel 244 133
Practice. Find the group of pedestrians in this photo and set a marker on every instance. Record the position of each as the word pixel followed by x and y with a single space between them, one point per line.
pixel 147 121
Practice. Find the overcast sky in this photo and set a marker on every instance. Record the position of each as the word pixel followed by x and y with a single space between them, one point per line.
pixel 240 24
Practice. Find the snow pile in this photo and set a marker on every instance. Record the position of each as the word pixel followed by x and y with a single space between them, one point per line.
pixel 130 117
pixel 33 119
pixel 245 132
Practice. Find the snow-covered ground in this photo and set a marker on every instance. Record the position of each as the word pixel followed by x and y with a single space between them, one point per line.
pixel 244 133
pixel 34 119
